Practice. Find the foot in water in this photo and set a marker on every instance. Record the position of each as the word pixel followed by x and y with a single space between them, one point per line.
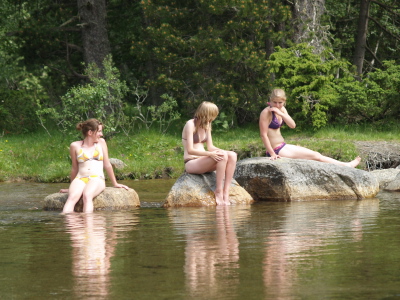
pixel 226 199
pixel 219 198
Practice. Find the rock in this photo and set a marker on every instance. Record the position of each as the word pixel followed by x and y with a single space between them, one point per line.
pixel 197 190
pixel 110 199
pixel 298 179
pixel 117 164
pixel 385 176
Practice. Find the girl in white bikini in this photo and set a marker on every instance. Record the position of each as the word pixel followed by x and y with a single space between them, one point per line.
pixel 196 132
pixel 271 120
pixel 89 157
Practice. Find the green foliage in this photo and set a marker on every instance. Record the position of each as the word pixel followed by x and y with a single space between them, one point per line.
pixel 309 80
pixel 373 99
pixel 212 50
pixel 101 98
pixel 147 116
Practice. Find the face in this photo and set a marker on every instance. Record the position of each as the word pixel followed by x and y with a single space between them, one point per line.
pixel 278 103
pixel 97 134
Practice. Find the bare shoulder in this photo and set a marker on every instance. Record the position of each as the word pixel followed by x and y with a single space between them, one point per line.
pixel 76 144
pixel 265 113
pixel 189 125
pixel 103 143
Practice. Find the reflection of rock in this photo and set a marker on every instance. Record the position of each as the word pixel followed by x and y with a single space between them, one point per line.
pixel 110 198
pixel 389 179
pixel 298 179
pixel 197 190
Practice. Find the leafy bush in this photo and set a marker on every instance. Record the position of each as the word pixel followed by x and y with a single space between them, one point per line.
pixel 17 111
pixel 309 80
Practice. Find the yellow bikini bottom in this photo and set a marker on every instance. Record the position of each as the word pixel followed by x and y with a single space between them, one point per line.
pixel 86 179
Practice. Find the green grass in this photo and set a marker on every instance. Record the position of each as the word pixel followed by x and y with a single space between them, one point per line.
pixel 148 154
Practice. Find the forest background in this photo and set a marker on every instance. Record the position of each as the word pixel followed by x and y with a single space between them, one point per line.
pixel 141 66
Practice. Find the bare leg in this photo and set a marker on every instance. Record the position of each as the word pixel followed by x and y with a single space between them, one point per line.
pixel 229 171
pixel 207 164
pixel 219 189
pixel 297 152
pixel 93 188
pixel 74 194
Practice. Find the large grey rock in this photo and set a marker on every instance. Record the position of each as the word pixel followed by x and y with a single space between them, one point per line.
pixel 197 190
pixel 394 185
pixel 298 179
pixel 110 198
pixel 387 178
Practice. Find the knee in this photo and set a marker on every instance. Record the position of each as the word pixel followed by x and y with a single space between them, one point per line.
pixel 318 156
pixel 232 156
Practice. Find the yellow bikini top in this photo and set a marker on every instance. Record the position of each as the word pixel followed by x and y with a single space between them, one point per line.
pixel 97 154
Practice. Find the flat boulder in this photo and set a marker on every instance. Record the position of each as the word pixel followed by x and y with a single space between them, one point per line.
pixel 198 190
pixel 287 179
pixel 110 199
pixel 389 179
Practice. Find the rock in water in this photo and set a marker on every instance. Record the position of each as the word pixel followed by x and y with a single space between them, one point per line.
pixel 299 179
pixel 110 199
pixel 198 190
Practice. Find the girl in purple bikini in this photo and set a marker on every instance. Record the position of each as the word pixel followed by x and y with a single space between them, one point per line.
pixel 271 120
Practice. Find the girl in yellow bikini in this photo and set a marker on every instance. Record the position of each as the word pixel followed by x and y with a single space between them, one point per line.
pixel 87 169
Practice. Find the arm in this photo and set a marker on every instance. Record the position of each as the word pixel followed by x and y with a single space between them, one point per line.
pixel 285 116
pixel 108 167
pixel 75 165
pixel 187 134
pixel 265 120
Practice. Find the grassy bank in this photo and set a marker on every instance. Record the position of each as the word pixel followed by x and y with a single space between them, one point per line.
pixel 148 154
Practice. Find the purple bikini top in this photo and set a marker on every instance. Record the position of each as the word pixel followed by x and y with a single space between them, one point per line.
pixel 275 123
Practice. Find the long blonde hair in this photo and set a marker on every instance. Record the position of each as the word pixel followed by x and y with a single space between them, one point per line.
pixel 204 115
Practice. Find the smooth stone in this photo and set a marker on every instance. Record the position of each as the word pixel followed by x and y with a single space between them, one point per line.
pixel 387 178
pixel 110 199
pixel 198 190
pixel 287 179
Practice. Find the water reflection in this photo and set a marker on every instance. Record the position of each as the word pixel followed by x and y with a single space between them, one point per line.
pixel 303 236
pixel 93 240
pixel 212 249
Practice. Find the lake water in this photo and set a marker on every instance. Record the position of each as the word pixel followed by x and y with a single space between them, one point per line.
pixel 299 250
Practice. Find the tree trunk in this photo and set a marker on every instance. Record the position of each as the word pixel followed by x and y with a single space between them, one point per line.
pixel 361 38
pixel 307 25
pixel 96 45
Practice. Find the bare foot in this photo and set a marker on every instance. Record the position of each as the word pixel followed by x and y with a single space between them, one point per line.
pixel 219 198
pixel 354 163
pixel 226 199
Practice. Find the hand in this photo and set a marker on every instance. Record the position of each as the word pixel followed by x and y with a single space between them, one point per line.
pixel 274 157
pixel 217 155
pixel 63 191
pixel 118 185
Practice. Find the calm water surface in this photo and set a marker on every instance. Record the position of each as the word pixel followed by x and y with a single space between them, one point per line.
pixel 299 250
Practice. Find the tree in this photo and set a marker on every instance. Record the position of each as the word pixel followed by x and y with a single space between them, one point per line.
pixel 361 36
pixel 95 43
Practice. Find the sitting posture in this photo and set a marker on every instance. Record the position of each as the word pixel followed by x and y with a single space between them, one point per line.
pixel 89 157
pixel 196 132
pixel 271 120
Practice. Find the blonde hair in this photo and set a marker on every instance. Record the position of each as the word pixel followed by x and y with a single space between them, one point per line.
pixel 204 115
pixel 278 93
pixel 85 126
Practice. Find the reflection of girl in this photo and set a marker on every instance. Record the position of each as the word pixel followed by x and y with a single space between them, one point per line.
pixel 272 118
pixel 196 132
pixel 89 157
